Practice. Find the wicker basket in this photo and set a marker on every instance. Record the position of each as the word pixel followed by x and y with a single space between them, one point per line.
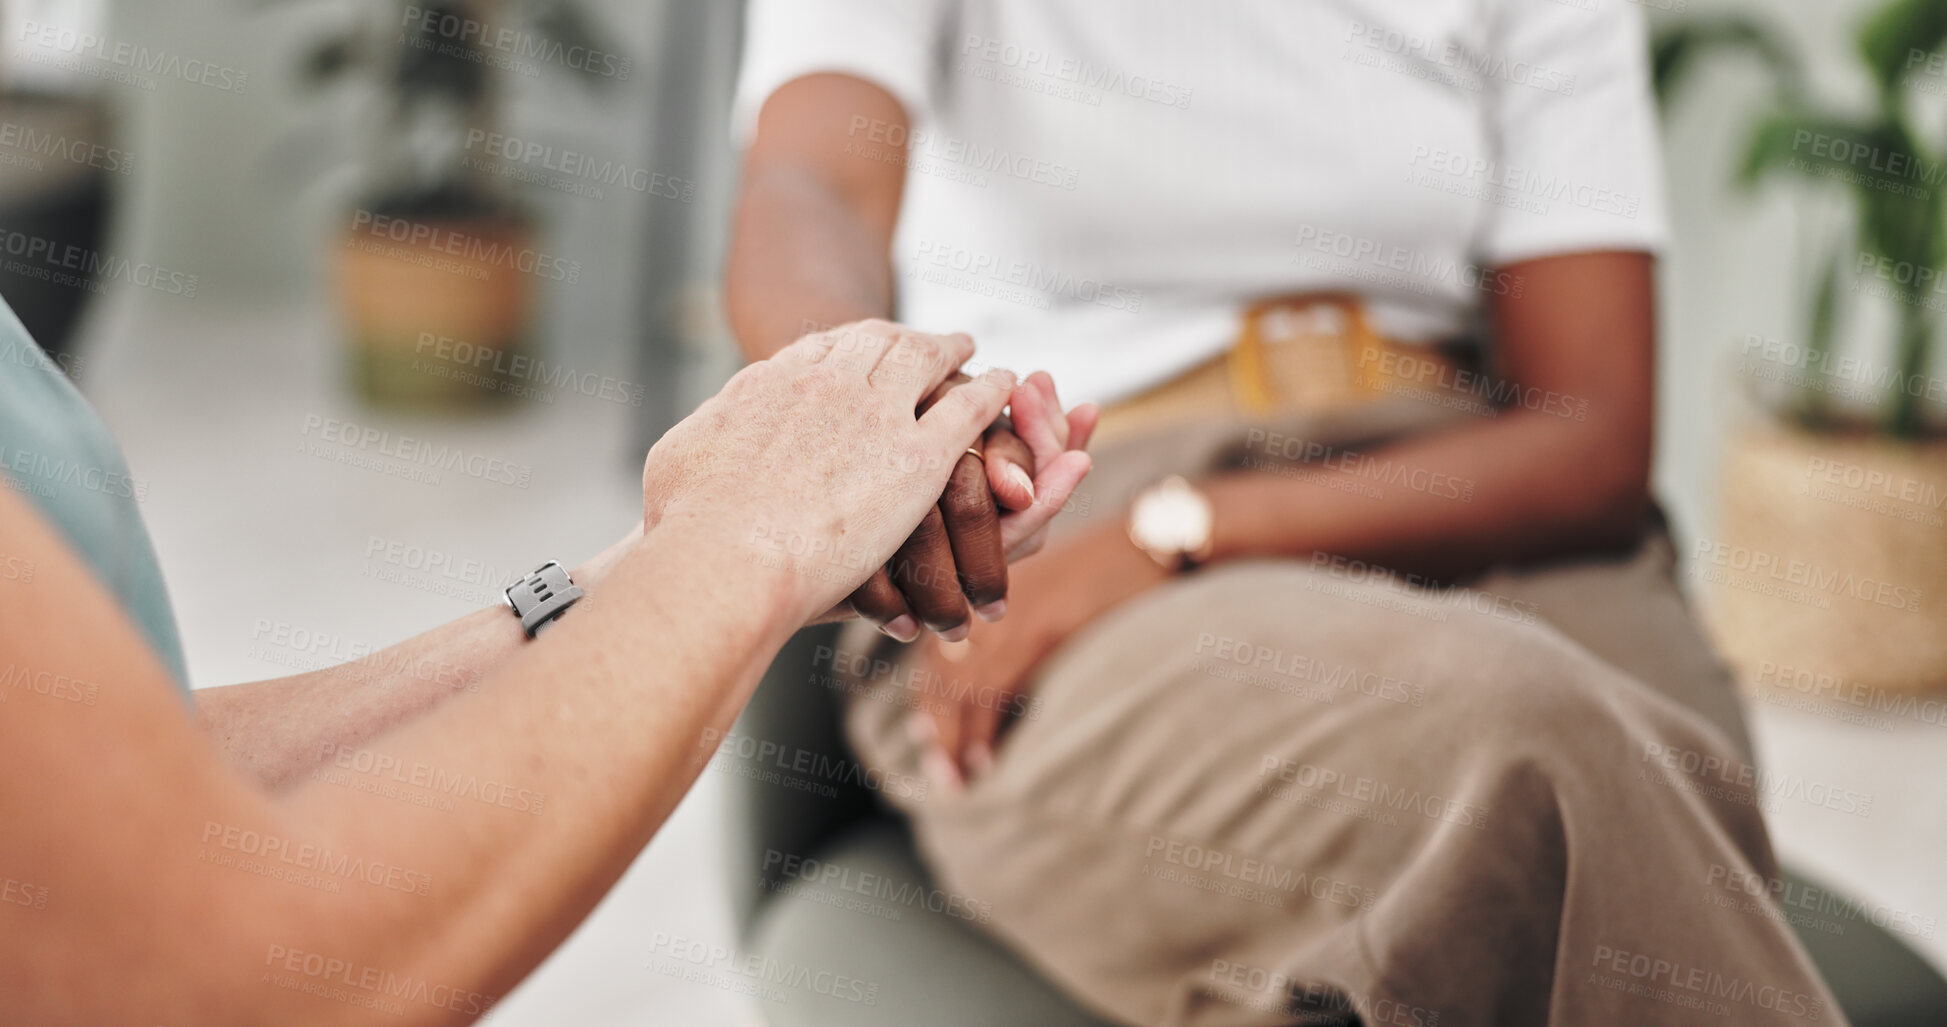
pixel 1831 561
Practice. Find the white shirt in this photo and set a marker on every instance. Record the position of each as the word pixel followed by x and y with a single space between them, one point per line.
pixel 1098 187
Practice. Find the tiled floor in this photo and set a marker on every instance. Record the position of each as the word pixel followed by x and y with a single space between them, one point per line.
pixel 252 530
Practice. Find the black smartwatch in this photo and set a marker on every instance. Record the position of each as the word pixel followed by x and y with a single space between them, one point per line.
pixel 542 596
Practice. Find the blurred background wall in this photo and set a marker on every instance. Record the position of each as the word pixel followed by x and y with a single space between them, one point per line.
pixel 247 188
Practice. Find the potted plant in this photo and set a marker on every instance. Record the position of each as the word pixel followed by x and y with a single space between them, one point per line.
pixel 1830 564
pixel 439 264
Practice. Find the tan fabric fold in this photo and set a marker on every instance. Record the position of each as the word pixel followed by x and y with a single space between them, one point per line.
pixel 1273 792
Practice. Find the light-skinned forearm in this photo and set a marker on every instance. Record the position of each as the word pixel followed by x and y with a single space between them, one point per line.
pixel 665 657
pixel 194 886
pixel 276 731
pixel 140 825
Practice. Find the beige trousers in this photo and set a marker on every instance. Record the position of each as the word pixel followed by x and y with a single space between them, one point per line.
pixel 1285 792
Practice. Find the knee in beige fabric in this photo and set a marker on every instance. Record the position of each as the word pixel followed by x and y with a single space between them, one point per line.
pixel 1521 692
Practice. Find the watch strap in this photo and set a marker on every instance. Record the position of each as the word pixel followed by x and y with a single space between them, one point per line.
pixel 542 597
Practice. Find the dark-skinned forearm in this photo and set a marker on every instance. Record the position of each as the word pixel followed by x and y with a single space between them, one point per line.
pixel 1530 486
pixel 800 260
pixel 811 241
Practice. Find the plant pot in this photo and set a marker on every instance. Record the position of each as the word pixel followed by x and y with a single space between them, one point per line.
pixel 435 310
pixel 1829 575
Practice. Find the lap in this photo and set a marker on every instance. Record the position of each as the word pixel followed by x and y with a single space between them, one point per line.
pixel 1253 754
pixel 1294 765
pixel 1213 679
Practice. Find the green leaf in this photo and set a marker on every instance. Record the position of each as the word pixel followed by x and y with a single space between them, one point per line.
pixel 1676 50
pixel 328 60
pixel 1797 139
pixel 1818 337
pixel 1890 39
pixel 1903 418
pixel 1902 214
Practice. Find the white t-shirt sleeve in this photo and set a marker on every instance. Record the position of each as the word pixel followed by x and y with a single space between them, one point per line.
pixel 891 43
pixel 1579 158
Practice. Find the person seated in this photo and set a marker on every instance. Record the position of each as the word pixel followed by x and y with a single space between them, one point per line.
pixel 173 860
pixel 1364 674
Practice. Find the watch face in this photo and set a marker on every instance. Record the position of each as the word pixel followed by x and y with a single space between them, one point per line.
pixel 1172 518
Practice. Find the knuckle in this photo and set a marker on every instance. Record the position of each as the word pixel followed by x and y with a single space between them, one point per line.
pixel 910 453
pixel 984 583
pixel 941 611
pixel 930 534
pixel 916 581
pixel 982 593
pixel 877 608
pixel 928 353
pixel 927 571
pixel 821 379
pixel 1006 442
pixel 964 399
pixel 878 599
pixel 847 338
pixel 968 503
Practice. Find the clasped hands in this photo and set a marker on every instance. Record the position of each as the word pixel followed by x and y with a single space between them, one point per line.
pixel 843 475
pixel 999 501
pixel 847 436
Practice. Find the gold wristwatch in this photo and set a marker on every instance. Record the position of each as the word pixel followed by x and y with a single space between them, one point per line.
pixel 1172 522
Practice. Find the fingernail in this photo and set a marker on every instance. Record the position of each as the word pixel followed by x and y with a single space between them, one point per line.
pixel 1021 481
pixel 980 759
pixel 902 628
pixel 957 633
pixel 941 770
pixel 992 611
pixel 955 652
